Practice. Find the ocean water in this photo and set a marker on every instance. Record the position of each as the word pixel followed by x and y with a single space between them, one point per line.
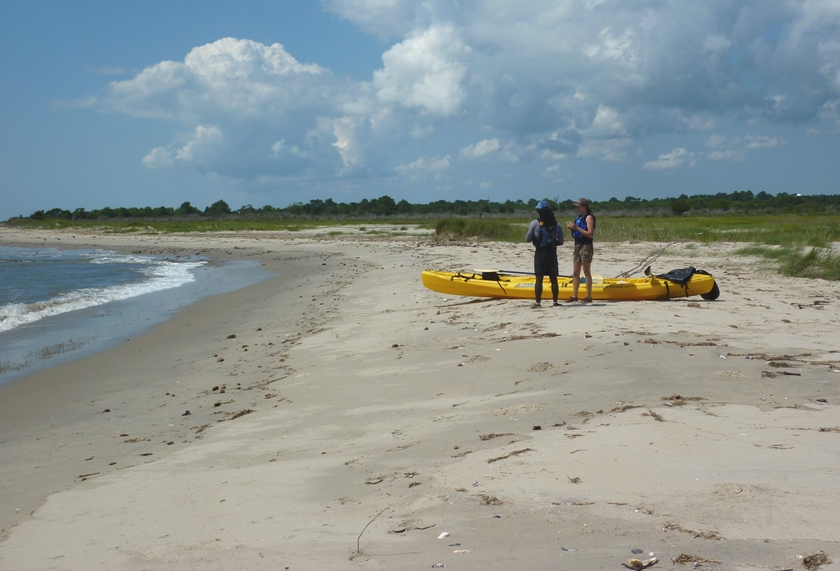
pixel 58 305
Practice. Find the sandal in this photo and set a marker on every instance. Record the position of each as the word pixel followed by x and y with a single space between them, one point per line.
pixel 573 298
pixel 536 305
pixel 586 300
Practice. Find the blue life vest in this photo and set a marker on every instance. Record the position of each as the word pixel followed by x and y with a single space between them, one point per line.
pixel 550 236
pixel 580 222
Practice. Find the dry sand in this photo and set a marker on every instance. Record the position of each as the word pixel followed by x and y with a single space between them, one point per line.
pixel 344 417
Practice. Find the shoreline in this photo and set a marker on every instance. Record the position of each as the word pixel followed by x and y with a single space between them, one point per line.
pixel 63 337
pixel 351 391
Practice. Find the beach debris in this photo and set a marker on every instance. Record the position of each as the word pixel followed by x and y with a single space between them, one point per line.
pixel 459 551
pixel 540 367
pixel 186 413
pixel 231 336
pixel 685 559
pixel 637 551
pixel 564 548
pixel 359 539
pixel 637 564
pixel 409 526
pixel 106 410
pixel 238 414
pixel 444 534
pixel 813 562
pixel 537 427
pixel 671 526
pixel 493 435
pixel 508 455
pixel 454 544
pixel 487 500
pixel 655 416
pixel 438 565
pixel 575 480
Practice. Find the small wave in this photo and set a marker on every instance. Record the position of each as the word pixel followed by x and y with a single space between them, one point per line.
pixel 161 275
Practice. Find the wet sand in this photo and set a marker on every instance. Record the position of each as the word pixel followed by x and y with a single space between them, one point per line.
pixel 341 416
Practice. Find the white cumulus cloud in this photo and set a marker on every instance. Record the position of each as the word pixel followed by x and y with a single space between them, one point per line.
pixel 423 167
pixel 201 147
pixel 678 158
pixel 425 72
pixel 481 148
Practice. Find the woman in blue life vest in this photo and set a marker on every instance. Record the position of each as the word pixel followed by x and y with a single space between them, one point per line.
pixel 583 231
pixel 545 255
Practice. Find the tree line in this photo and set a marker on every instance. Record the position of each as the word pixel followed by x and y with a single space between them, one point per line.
pixel 739 202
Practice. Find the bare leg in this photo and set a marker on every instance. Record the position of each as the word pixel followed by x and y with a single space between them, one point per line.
pixel 576 279
pixel 587 271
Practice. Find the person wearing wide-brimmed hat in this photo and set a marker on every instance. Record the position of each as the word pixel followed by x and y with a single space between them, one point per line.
pixel 545 233
pixel 583 231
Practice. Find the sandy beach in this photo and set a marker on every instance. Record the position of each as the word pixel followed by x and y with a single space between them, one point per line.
pixel 342 416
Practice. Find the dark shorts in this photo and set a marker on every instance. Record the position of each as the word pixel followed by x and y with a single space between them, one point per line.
pixel 545 262
pixel 583 253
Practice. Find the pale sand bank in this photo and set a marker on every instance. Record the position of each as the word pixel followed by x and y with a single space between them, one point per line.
pixel 370 393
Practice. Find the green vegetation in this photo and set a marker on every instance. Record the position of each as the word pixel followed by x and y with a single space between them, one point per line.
pixel 739 202
pixel 795 234
pixel 797 246
pixel 498 230
pixel 796 261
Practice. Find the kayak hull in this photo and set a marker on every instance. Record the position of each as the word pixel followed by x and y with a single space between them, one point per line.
pixel 608 289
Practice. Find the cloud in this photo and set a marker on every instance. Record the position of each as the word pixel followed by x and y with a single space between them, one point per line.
pixel 424 72
pixel 540 82
pixel 481 149
pixel 423 167
pixel 384 18
pixel 735 148
pixel 678 158
pixel 158 158
pixel 201 147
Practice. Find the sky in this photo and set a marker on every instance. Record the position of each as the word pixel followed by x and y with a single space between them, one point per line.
pixel 259 102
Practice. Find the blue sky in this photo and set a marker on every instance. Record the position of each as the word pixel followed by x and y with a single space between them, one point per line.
pixel 155 103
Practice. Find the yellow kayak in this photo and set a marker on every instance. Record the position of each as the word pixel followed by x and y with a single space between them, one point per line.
pixel 678 283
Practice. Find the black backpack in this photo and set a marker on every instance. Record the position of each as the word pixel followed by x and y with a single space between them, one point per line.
pixel 551 236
